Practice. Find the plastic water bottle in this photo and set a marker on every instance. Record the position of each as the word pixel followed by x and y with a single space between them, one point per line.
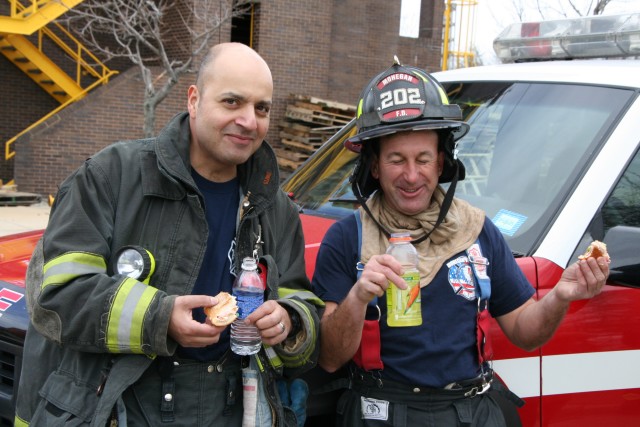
pixel 404 306
pixel 249 292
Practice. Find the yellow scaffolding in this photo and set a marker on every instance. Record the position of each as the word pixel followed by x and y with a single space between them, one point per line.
pixel 458 34
pixel 37 18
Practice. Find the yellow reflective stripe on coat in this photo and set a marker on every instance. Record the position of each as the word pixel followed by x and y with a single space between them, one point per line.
pixel 126 317
pixel 274 359
pixel 303 295
pixel 71 265
pixel 19 422
pixel 300 359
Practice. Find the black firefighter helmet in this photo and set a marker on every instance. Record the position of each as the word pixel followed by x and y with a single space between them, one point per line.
pixel 405 98
pixel 399 99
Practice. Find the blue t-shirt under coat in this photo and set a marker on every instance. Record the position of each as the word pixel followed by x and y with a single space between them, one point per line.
pixel 221 210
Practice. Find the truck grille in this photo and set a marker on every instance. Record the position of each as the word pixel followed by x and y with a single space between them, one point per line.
pixel 10 366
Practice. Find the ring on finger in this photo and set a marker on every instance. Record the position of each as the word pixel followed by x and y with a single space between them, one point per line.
pixel 282 327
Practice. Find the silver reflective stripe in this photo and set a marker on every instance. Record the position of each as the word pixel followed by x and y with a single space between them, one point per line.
pixel 71 265
pixel 126 317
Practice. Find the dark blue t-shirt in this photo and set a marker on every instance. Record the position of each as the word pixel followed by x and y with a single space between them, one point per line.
pixel 443 349
pixel 221 210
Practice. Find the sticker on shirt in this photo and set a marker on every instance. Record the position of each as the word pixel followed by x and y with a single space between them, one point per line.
pixel 461 278
pixel 480 262
pixel 508 222
pixel 374 409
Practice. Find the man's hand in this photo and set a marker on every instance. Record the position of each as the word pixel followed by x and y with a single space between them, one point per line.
pixel 583 280
pixel 534 322
pixel 375 278
pixel 273 322
pixel 189 332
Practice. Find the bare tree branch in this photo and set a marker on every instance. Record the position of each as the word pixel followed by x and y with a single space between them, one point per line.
pixel 138 30
pixel 600 7
pixel 576 9
pixel 554 9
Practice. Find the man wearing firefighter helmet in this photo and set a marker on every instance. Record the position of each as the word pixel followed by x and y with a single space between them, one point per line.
pixel 436 372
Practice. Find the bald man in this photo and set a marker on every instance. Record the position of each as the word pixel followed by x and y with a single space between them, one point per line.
pixel 106 347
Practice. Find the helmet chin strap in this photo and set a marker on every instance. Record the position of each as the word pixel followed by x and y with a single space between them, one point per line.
pixel 446 204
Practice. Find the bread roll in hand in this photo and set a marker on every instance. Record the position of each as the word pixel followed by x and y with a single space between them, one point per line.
pixel 596 250
pixel 223 313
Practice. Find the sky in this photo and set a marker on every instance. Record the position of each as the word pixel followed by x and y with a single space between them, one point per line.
pixel 493 16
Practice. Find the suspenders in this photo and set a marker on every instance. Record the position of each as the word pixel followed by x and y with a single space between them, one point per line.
pixel 368 354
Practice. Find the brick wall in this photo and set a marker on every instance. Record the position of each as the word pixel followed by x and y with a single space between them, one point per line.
pixel 21 103
pixel 326 49
pixel 46 155
pixel 294 40
pixel 364 39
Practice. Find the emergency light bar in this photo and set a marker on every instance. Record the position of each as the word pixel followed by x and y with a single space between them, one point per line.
pixel 589 37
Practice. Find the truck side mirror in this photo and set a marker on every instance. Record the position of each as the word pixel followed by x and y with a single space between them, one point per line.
pixel 623 245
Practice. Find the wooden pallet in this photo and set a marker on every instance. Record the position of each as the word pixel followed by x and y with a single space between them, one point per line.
pixel 309 122
pixel 298 146
pixel 326 105
pixel 17 198
pixel 309 138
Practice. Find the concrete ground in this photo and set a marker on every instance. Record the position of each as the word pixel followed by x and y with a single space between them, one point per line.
pixel 17 219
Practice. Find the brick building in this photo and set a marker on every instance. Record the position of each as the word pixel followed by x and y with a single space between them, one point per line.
pixel 324 49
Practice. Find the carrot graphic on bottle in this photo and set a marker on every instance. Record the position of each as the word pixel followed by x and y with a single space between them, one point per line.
pixel 415 291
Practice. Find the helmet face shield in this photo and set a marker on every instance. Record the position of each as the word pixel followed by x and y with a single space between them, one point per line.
pixel 405 99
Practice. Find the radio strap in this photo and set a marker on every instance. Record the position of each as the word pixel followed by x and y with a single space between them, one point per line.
pixel 483 289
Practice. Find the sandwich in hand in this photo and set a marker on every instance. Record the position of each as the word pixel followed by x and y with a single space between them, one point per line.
pixel 596 250
pixel 223 313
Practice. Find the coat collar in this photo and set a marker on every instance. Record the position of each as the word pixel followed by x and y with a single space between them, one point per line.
pixel 259 175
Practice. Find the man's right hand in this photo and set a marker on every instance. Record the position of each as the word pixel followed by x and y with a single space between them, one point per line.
pixel 189 332
pixel 341 325
pixel 375 278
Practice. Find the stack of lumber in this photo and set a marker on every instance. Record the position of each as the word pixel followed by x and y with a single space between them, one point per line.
pixel 308 123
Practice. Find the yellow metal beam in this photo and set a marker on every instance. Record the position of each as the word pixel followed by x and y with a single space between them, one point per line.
pixel 39 67
pixel 34 17
pixel 459 22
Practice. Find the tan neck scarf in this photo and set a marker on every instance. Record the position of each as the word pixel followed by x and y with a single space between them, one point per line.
pixel 456 233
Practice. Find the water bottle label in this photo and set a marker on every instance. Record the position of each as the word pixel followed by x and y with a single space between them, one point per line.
pixel 247 303
pixel 404 307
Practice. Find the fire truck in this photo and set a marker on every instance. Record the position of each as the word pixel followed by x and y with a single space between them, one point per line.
pixel 552 158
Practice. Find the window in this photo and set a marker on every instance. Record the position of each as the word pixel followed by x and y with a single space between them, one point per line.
pixel 618 225
pixel 244 26
pixel 528 146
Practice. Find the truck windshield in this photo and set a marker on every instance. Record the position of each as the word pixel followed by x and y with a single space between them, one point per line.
pixel 528 146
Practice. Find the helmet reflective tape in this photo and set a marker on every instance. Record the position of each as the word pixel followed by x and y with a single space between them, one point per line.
pixel 443 95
